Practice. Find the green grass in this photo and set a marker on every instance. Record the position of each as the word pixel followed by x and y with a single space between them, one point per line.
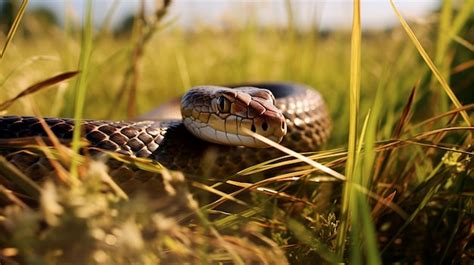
pixel 349 209
pixel 80 88
pixel 408 169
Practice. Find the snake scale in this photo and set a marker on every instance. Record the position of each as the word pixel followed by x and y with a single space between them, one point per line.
pixel 171 143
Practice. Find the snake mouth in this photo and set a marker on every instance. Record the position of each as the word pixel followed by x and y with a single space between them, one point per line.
pixel 224 116
pixel 238 137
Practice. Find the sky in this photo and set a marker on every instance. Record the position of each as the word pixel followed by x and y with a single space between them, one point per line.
pixel 327 14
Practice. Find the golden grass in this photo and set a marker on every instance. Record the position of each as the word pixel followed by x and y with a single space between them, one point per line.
pixel 404 172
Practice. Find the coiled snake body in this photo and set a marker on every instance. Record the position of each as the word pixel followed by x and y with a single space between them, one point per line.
pixel 297 116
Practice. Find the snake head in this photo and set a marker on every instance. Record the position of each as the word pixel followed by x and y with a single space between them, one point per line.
pixel 223 115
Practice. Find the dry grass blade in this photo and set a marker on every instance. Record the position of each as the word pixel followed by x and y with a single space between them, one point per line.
pixel 382 201
pixel 285 161
pixel 15 175
pixel 267 191
pixel 405 116
pixel 259 186
pixel 219 238
pixel 14 26
pixel 139 162
pixel 379 206
pixel 437 117
pixel 55 141
pixel 464 43
pixel 60 171
pixel 39 86
pixel 438 146
pixel 217 192
pixel 63 152
pixel 437 131
pixel 143 32
pixel 430 63
pixel 10 196
pixel 301 157
pixel 382 168
pixel 463 67
pixel 101 170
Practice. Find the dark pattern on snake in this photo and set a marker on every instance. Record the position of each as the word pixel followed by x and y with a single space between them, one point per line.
pixel 169 142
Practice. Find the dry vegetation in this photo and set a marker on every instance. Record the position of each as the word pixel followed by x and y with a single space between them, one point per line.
pixel 412 201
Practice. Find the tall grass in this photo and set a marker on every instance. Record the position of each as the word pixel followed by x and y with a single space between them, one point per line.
pixel 14 27
pixel 354 89
pixel 405 195
pixel 81 84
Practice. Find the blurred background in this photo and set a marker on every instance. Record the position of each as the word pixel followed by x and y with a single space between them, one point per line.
pixel 307 13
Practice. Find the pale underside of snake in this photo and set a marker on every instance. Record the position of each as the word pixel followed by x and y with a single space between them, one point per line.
pixel 209 139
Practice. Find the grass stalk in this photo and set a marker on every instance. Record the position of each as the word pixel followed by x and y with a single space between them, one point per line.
pixel 443 38
pixel 14 27
pixel 429 62
pixel 442 44
pixel 81 84
pixel 396 182
pixel 465 12
pixel 354 90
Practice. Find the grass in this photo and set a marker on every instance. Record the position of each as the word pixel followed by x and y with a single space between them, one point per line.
pixel 14 26
pixel 406 194
pixel 349 200
pixel 81 85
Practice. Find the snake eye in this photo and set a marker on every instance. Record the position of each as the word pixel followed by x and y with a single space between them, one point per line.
pixel 223 104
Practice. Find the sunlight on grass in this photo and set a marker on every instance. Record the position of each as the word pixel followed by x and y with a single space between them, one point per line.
pixel 392 185
pixel 354 91
pixel 430 64
pixel 82 81
pixel 302 158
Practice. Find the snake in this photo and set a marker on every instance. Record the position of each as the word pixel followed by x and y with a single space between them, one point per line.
pixel 211 137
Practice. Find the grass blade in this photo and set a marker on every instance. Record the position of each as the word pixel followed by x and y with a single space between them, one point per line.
pixel 14 26
pixel 315 164
pixel 430 63
pixel 81 84
pixel 353 117
pixel 434 186
pixel 30 187
pixel 443 38
pixel 38 86
pixel 465 12
pixel 367 232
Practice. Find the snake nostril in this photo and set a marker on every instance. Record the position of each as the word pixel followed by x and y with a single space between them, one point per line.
pixel 264 125
pixel 253 128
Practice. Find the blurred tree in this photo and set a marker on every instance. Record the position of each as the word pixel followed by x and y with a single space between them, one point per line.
pixel 39 21
pixel 7 14
pixel 126 26
pixel 44 16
